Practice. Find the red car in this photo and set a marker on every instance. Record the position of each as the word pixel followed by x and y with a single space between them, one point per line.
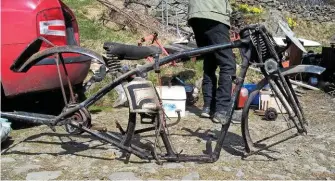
pixel 22 21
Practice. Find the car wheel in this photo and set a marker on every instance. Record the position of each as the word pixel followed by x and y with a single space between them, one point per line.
pixel 3 100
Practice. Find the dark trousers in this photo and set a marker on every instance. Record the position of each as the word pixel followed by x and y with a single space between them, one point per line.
pixel 217 95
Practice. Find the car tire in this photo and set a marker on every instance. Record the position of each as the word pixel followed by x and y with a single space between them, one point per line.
pixel 3 100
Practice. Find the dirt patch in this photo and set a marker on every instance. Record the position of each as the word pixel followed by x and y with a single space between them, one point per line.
pixel 37 151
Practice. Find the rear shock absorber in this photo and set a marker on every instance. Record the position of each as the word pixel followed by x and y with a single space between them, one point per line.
pixel 262 50
pixel 113 63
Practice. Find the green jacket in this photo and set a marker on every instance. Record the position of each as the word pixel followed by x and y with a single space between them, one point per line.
pixel 218 10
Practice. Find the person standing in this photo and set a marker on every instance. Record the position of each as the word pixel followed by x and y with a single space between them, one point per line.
pixel 210 21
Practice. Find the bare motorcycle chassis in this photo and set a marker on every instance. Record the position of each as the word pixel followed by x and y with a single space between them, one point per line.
pixel 256 47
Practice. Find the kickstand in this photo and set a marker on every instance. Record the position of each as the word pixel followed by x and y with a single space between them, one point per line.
pixel 118 125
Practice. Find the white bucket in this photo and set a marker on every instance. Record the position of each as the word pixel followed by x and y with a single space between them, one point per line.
pixel 173 98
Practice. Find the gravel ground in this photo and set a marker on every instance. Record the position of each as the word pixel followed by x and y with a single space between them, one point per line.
pixel 38 153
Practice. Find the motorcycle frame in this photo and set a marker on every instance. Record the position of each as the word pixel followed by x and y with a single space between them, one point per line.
pixel 244 45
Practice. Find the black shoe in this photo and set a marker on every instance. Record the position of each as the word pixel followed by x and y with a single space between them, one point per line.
pixel 220 117
pixel 206 113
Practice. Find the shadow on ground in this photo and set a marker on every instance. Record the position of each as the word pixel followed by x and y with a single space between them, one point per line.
pixel 71 147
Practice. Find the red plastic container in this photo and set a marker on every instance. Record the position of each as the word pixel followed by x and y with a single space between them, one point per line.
pixel 242 98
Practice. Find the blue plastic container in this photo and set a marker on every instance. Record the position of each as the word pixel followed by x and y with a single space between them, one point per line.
pixel 250 88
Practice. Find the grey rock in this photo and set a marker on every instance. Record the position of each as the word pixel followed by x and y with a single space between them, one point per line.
pixel 311 160
pixel 322 156
pixel 128 169
pixel 20 148
pixel 44 155
pixel 332 138
pixel 310 18
pixel 281 7
pixel 7 160
pixel 306 14
pixel 215 168
pixel 173 165
pixel 192 176
pixel 191 164
pixel 123 176
pixel 331 159
pixel 239 174
pixel 277 177
pixel 226 169
pixel 307 167
pixel 149 168
pixel 290 167
pixel 257 172
pixel 64 163
pixel 25 168
pixel 44 175
pixel 36 160
pixel 95 143
pixel 315 165
pixel 320 169
pixel 319 146
pixel 117 152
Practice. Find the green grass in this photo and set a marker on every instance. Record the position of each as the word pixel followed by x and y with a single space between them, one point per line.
pixel 77 4
pixel 92 31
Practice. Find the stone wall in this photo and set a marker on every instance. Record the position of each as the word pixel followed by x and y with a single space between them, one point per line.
pixel 320 13
pixel 172 13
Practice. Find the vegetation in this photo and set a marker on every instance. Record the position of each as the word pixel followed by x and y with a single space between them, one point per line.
pixel 291 22
pixel 245 8
pixel 92 31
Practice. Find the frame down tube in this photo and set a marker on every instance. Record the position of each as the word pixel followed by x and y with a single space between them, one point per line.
pixel 246 53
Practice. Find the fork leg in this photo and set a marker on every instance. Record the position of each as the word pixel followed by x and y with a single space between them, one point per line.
pixel 293 102
pixel 296 100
